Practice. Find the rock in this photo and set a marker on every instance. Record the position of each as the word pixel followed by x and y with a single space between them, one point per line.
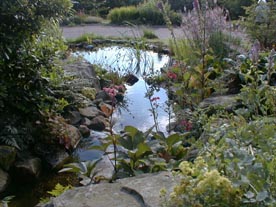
pixel 57 159
pixel 4 180
pixel 89 92
pixel 98 123
pixel 131 79
pixel 52 155
pixel 89 47
pixel 83 70
pixel 28 169
pixel 74 135
pixel 106 109
pixel 102 95
pixel 86 122
pixel 74 117
pixel 7 156
pixel 90 112
pixel 84 130
pixel 137 191
pixel 227 102
pixel 104 168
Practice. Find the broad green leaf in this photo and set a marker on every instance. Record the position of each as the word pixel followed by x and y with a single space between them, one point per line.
pixel 132 131
pixel 142 149
pixel 172 139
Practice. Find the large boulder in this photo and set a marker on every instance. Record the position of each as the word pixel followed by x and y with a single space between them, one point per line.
pixel 4 180
pixel 7 156
pixel 137 191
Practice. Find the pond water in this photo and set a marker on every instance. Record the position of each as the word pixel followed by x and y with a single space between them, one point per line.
pixel 122 59
pixel 137 112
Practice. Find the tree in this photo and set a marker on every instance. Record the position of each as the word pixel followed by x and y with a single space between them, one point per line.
pixel 261 23
pixel 235 7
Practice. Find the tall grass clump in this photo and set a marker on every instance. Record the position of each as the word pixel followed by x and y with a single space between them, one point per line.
pixel 145 13
pixel 123 14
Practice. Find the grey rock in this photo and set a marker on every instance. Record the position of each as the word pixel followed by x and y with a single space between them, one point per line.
pixel 57 159
pixel 74 135
pixel 83 70
pixel 102 95
pixel 98 123
pixel 137 191
pixel 84 130
pixel 29 168
pixel 226 102
pixel 4 180
pixel 86 121
pixel 105 168
pixel 90 112
pixel 7 156
pixel 74 117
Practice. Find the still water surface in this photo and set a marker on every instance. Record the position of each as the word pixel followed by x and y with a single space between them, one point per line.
pixel 124 60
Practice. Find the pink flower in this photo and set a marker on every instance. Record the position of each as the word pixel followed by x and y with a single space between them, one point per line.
pixel 172 75
pixel 187 124
pixel 110 91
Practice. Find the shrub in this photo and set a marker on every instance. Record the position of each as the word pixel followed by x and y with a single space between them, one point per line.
pixel 200 186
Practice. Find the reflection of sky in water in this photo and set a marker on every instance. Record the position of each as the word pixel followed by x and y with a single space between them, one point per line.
pixel 138 114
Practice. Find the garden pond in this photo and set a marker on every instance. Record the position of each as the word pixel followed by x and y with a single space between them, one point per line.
pixel 134 112
pixel 137 108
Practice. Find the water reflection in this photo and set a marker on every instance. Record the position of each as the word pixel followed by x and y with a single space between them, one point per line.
pixel 124 60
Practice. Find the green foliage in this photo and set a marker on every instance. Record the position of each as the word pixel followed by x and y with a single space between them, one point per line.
pixel 171 147
pixel 123 14
pixel 261 23
pixel 57 191
pixel 85 170
pixel 202 186
pixel 30 44
pixel 235 7
pixel 244 153
pixel 146 13
pixel 139 155
pixel 149 34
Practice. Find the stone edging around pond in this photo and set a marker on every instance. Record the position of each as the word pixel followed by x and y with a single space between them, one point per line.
pixel 96 43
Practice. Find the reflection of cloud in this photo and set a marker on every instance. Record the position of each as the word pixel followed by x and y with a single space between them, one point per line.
pixel 124 58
